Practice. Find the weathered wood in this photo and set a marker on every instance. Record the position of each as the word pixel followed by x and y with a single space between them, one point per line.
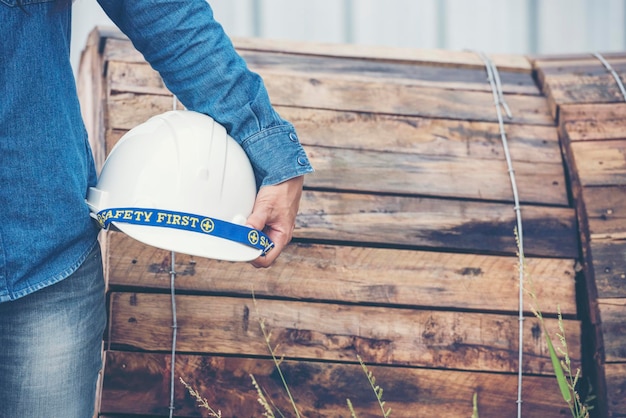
pixel 609 263
pixel 408 158
pixel 579 81
pixel 581 64
pixel 90 86
pixel 139 383
pixel 576 56
pixel 443 58
pixel 585 122
pixel 448 157
pixel 592 206
pixel 613 312
pixel 438 57
pixel 606 211
pixel 453 78
pixel 376 98
pixel 435 223
pixel 119 48
pixel 131 109
pixel 425 136
pixel 409 100
pixel 139 77
pixel 464 177
pixel 601 163
pixel 404 134
pixel 414 174
pixel 616 382
pixel 356 275
pixel 323 331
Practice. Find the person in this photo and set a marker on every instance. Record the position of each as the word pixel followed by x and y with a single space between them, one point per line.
pixel 52 312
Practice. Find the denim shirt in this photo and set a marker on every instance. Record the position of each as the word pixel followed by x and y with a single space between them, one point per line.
pixel 46 165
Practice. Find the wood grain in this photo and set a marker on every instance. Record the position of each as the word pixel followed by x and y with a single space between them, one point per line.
pixel 609 263
pixel 589 122
pixel 613 311
pixel 404 248
pixel 333 332
pixel 616 382
pixel 582 80
pixel 606 211
pixel 347 274
pixel 138 383
pixel 435 223
pixel 117 47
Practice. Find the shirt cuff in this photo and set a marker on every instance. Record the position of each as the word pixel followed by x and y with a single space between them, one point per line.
pixel 276 155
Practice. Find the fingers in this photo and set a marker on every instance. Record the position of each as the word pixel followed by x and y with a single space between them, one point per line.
pixel 274 213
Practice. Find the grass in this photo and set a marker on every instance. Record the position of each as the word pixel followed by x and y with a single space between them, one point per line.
pixel 202 402
pixel 269 409
pixel 567 379
pixel 378 391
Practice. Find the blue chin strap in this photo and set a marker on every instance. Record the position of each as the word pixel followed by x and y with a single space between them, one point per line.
pixel 187 222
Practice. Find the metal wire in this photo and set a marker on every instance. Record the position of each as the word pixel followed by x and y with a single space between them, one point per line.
pixel 174 320
pixel 610 69
pixel 174 331
pixel 499 102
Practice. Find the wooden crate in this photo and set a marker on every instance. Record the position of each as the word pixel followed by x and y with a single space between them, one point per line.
pixel 404 251
pixel 591 114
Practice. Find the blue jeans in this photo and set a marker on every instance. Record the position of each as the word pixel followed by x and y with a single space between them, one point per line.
pixel 50 347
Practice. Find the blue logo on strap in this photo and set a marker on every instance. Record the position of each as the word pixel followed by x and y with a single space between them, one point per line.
pixel 187 222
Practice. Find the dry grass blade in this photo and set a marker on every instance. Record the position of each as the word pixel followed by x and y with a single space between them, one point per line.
pixel 202 402
pixel 378 391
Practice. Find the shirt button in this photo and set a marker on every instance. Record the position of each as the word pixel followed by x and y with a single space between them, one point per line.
pixel 293 137
pixel 302 161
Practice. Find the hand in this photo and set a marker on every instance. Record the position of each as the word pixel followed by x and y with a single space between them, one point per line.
pixel 274 213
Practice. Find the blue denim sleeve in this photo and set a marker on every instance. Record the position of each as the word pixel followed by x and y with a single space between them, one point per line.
pixel 197 61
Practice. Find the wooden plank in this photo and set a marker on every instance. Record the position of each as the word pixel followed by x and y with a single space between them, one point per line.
pixel 435 223
pixel 379 97
pixel 423 175
pixel 590 83
pixel 414 174
pixel 577 81
pixel 402 134
pixel 601 163
pixel 323 331
pixel 613 312
pixel 438 57
pixel 138 383
pixel 135 76
pixel 589 220
pixel 124 77
pixel 454 159
pixel 616 388
pixel 90 86
pixel 590 122
pixel 425 136
pixel 539 59
pixel 445 150
pixel 605 211
pixel 454 78
pixel 582 66
pixel 130 109
pixel 119 48
pixel 356 275
pixel 609 264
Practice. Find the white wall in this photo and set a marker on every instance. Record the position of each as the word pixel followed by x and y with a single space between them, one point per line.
pixel 493 26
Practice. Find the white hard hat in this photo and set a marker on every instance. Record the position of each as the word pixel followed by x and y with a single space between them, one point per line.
pixel 180 183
